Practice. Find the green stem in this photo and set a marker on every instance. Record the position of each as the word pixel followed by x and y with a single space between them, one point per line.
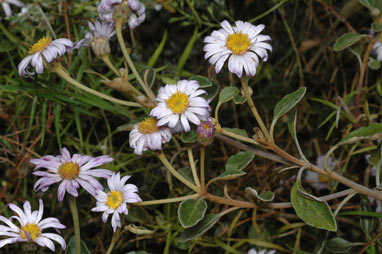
pixel 57 68
pixel 166 200
pixel 118 29
pixel 76 223
pixel 109 64
pixel 193 167
pixel 202 170
pixel 239 137
pixel 114 240
pixel 244 83
pixel 175 173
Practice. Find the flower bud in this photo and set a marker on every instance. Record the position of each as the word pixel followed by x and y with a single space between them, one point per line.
pixel 100 46
pixel 206 132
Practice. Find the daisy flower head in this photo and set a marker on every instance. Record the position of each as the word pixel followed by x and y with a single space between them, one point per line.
pixel 133 9
pixel 72 171
pixel 114 201
pixel 97 38
pixel 7 8
pixel 179 104
pixel 147 135
pixel 320 181
pixel 242 45
pixel 205 131
pixel 45 50
pixel 253 251
pixel 30 227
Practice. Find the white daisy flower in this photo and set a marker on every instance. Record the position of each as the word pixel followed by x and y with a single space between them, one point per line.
pixel 242 44
pixel 320 181
pixel 71 171
pixel 44 50
pixel 7 9
pixel 98 38
pixel 31 227
pixel 114 201
pixel 179 104
pixel 253 251
pixel 147 135
pixel 137 16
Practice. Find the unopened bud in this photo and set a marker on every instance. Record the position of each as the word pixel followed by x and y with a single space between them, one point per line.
pixel 206 132
pixel 122 12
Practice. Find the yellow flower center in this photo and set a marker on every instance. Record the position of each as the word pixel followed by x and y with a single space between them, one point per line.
pixel 40 45
pixel 148 126
pixel 178 102
pixel 69 170
pixel 238 43
pixel 31 229
pixel 323 179
pixel 114 200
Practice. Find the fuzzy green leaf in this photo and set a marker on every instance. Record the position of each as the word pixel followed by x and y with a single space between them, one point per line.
pixel 266 196
pixel 237 131
pixel 230 174
pixel 191 211
pixel 338 245
pixel 312 212
pixel 287 103
pixel 346 40
pixel 374 64
pixel 203 81
pixel 71 247
pixel 200 228
pixel 239 161
pixel 189 137
pixel 227 94
pixel 373 131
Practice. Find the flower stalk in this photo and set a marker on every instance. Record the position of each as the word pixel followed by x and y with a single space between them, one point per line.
pixel 59 69
pixel 76 223
pixel 118 29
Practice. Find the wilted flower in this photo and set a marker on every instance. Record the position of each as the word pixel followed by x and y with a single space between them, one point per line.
pixel 147 135
pixel 7 9
pixel 71 171
pixel 98 38
pixel 179 104
pixel 135 9
pixel 253 251
pixel 242 44
pixel 205 131
pixel 376 50
pixel 114 201
pixel 44 50
pixel 31 227
pixel 320 181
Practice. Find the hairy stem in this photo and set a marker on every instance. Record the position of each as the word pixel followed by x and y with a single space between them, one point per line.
pixel 231 202
pixel 244 83
pixel 57 68
pixel 175 173
pixel 166 200
pixel 114 240
pixel 118 29
pixel 76 223
pixel 202 166
pixel 193 167
pixel 105 58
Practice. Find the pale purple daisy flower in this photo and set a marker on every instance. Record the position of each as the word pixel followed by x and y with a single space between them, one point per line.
pixel 242 44
pixel 147 135
pixel 317 180
pixel 179 104
pixel 44 50
pixel 71 171
pixel 253 251
pixel 6 6
pixel 137 16
pixel 115 200
pixel 31 227
pixel 98 38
